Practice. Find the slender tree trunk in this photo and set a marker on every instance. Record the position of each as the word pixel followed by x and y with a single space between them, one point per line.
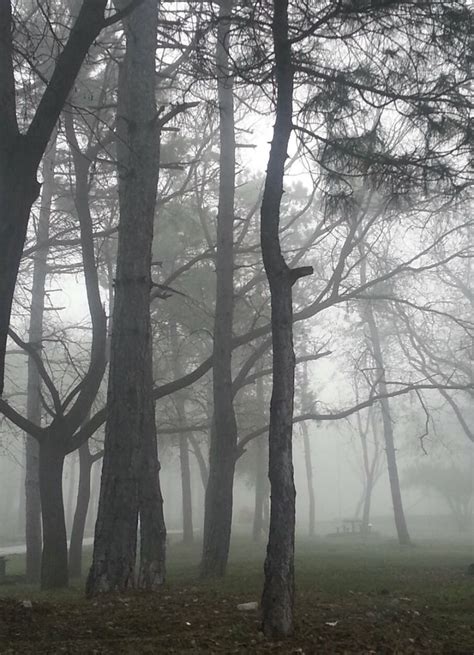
pixel 367 503
pixel 278 591
pixel 309 479
pixel 186 494
pixel 130 474
pixel 188 535
pixel 54 568
pixel 82 505
pixel 33 403
pixel 203 470
pixel 307 459
pixel 260 489
pixel 398 512
pixel 260 524
pixel 219 492
pixel 94 499
pixel 70 493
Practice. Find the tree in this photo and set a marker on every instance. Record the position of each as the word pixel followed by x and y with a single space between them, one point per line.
pixel 21 153
pixel 130 483
pixel 218 510
pixel 278 591
pixel 32 492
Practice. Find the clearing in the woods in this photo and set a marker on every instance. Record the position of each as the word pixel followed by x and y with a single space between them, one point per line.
pixel 351 598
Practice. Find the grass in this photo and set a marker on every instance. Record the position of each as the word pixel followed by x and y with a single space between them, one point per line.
pixel 351 598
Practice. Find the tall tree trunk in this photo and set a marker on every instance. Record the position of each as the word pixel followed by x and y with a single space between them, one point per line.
pixel 367 503
pixel 152 521
pixel 219 492
pixel 309 480
pixel 203 470
pixel 261 474
pixel 260 489
pixel 33 403
pixel 187 506
pixel 307 458
pixel 278 591
pixel 398 512
pixel 94 499
pixel 130 482
pixel 70 492
pixel 54 569
pixel 82 505
pixel 186 494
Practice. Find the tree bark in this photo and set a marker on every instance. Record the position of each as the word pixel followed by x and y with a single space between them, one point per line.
pixel 130 482
pixel 219 492
pixel 82 505
pixel 278 591
pixel 54 568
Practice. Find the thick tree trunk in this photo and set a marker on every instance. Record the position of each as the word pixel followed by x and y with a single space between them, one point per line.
pixel 278 592
pixel 54 568
pixel 152 522
pixel 82 505
pixel 18 191
pixel 130 482
pixel 219 492
pixel 33 403
pixel 33 535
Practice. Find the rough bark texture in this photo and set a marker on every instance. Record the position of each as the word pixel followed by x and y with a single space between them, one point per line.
pixel 33 403
pixel 219 492
pixel 130 482
pixel 20 154
pixel 82 505
pixel 54 569
pixel 278 592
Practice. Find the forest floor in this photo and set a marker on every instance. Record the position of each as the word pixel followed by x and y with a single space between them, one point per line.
pixel 351 598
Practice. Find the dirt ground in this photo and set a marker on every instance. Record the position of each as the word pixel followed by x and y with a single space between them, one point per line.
pixel 389 605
